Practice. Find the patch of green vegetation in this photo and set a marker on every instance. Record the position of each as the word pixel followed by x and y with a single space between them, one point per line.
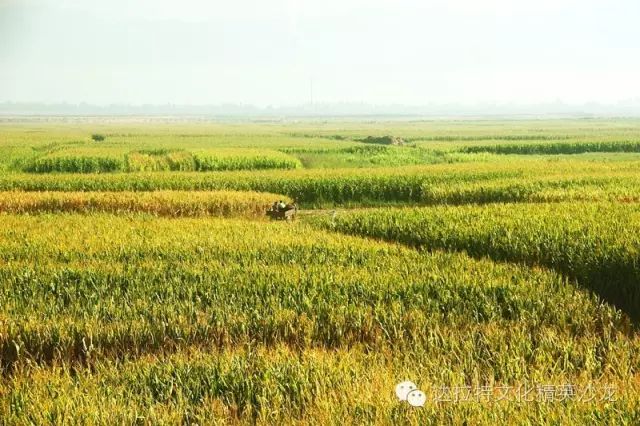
pixel 370 156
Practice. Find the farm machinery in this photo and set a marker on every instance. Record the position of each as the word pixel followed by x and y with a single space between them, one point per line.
pixel 281 211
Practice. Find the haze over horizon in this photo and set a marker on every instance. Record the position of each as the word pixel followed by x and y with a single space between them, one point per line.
pixel 287 52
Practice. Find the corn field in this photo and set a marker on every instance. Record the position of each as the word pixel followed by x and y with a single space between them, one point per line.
pixel 160 297
pixel 418 185
pixel 159 203
pixel 572 238
pixel 558 147
pixel 141 281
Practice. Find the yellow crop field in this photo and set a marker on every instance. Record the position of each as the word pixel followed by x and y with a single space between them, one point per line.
pixel 492 264
pixel 160 203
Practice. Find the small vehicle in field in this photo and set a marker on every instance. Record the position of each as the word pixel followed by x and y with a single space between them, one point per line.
pixel 280 211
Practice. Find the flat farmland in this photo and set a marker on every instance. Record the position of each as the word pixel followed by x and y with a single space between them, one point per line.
pixel 495 264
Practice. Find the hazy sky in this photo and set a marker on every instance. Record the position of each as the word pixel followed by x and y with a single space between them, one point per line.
pixel 262 52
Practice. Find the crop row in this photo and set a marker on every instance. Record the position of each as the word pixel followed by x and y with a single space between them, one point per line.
pixel 159 160
pixel 79 289
pixel 577 147
pixel 118 159
pixel 311 187
pixel 161 203
pixel 258 385
pixel 595 243
pixel 212 160
pixel 625 188
pixel 420 185
pixel 74 164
